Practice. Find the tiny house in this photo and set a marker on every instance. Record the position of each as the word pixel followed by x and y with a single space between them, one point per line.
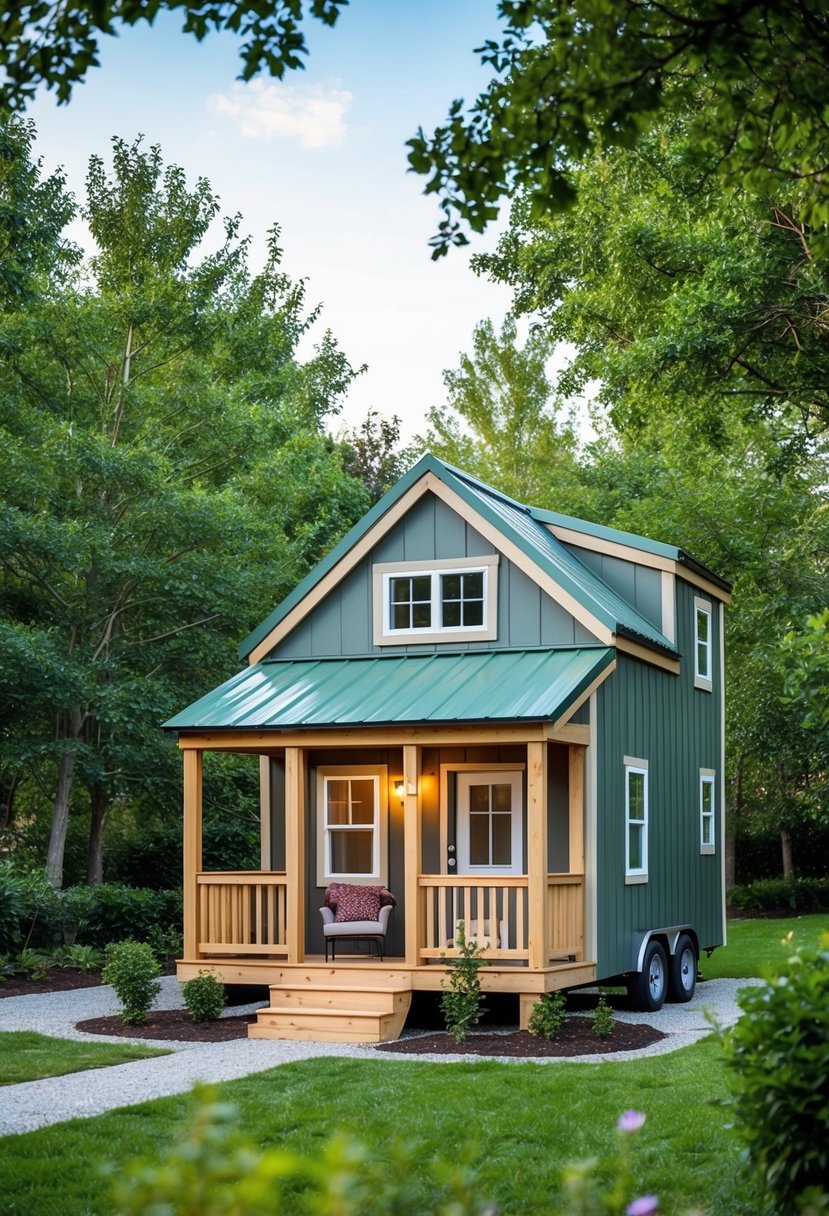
pixel 503 715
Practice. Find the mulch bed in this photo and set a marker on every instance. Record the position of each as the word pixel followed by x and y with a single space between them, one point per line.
pixel 175 1024
pixel 576 1038
pixel 58 979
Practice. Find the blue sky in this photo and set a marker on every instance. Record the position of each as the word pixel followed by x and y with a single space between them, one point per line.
pixel 322 154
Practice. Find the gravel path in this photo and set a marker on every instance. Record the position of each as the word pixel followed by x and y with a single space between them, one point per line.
pixel 36 1104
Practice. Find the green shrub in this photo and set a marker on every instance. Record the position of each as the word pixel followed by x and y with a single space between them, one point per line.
pixel 132 970
pixel 782 895
pixel 547 1015
pixel 165 942
pixel 603 1020
pixel 13 907
pixel 112 912
pixel 33 963
pixel 462 1002
pixel 84 958
pixel 778 1053
pixel 204 997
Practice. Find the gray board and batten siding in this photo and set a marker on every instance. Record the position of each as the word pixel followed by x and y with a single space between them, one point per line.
pixel 645 713
pixel 342 625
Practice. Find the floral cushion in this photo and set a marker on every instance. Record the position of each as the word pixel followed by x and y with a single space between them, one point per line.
pixel 351 902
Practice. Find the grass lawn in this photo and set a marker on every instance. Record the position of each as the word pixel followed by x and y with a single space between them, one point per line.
pixel 27 1056
pixel 754 946
pixel 520 1123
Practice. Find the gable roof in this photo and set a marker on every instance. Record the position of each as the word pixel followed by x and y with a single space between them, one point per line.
pixel 525 528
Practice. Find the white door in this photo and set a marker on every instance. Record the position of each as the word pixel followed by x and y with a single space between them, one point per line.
pixel 490 823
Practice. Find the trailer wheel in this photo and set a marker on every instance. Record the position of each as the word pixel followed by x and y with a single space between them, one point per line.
pixel 647 988
pixel 682 971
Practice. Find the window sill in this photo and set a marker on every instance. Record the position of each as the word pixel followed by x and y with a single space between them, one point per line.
pixel 708 850
pixel 633 880
pixel 702 684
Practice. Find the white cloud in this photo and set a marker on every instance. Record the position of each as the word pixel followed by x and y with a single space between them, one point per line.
pixel 313 115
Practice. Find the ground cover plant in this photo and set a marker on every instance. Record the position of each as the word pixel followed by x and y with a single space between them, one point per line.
pixel 520 1125
pixel 28 1056
pixel 756 946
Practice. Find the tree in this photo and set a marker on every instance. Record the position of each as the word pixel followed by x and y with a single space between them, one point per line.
pixel 56 45
pixel 166 471
pixel 501 419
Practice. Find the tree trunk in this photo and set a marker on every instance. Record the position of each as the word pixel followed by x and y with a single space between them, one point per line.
pixel 69 732
pixel 8 789
pixel 98 812
pixel 786 849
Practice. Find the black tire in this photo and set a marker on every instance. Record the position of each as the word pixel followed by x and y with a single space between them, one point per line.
pixel 647 988
pixel 682 971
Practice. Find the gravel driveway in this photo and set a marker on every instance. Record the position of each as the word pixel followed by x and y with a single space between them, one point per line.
pixel 36 1104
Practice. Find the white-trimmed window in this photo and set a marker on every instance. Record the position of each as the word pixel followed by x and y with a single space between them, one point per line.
pixel 636 820
pixel 440 601
pixel 707 811
pixel 352 814
pixel 703 644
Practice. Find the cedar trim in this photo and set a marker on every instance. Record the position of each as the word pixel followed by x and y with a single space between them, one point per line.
pixel 639 651
pixel 612 548
pixel 588 692
pixel 266 741
pixel 569 732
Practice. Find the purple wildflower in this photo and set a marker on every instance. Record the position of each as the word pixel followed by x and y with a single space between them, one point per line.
pixel 646 1205
pixel 630 1121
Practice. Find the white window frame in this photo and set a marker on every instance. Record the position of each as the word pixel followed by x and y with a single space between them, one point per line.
pixel 384 572
pixel 378 773
pixel 707 778
pixel 640 873
pixel 703 677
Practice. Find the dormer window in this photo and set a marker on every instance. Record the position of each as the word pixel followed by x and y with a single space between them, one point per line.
pixel 441 601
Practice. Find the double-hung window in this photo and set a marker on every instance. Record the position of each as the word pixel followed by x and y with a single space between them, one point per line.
pixel 707 811
pixel 351 801
pixel 636 820
pixel 703 644
pixel 440 601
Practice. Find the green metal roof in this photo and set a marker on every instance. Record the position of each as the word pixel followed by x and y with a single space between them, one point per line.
pixel 521 524
pixel 475 686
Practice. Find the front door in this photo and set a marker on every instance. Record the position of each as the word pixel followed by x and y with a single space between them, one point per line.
pixel 490 823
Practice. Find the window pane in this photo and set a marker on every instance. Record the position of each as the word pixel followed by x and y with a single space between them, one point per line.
pixel 337 792
pixel 479 840
pixel 502 798
pixel 362 801
pixel 703 622
pixel 401 590
pixel 707 797
pixel 502 840
pixel 702 659
pixel 635 847
pixel 422 587
pixel 422 616
pixel 351 852
pixel 479 798
pixel 473 614
pixel 451 615
pixel 401 616
pixel 707 824
pixel 451 586
pixel 636 796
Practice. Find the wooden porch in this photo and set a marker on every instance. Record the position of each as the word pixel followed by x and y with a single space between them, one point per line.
pixel 249 926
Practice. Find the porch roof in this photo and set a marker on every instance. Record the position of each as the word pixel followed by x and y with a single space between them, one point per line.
pixel 474 686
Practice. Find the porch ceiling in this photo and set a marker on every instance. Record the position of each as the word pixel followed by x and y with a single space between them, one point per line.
pixel 475 686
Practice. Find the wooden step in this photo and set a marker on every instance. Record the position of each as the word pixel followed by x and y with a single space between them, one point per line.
pixel 327 1023
pixel 337 975
pixel 326 996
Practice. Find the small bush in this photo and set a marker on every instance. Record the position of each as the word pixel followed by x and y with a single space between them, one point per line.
pixel 204 997
pixel 132 970
pixel 547 1015
pixel 165 942
pixel 84 958
pixel 783 895
pixel 778 1053
pixel 462 1002
pixel 603 1020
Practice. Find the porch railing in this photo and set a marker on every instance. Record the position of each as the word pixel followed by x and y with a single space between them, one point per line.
pixel 241 912
pixel 565 916
pixel 493 910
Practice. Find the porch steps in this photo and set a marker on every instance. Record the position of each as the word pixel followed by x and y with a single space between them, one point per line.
pixel 341 1013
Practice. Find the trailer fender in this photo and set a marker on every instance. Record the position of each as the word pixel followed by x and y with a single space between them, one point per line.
pixel 667 936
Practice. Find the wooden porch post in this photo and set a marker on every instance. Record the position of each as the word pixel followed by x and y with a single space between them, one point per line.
pixel 539 953
pixel 412 853
pixel 576 808
pixel 295 851
pixel 193 765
